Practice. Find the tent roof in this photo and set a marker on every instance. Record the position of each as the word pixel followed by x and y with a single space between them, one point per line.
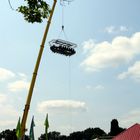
pixel 132 133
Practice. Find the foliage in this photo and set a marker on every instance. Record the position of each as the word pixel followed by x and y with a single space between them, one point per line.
pixel 115 129
pixel 10 135
pixel 42 137
pixel 51 136
pixel 92 133
pixel 35 11
pixel 87 134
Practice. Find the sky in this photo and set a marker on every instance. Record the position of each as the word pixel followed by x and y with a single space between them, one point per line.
pixel 99 83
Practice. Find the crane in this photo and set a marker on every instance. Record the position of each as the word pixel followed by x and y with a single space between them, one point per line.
pixel 57 45
pixel 31 88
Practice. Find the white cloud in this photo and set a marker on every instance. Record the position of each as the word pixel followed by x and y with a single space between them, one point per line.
pixel 123 75
pixel 109 29
pixel 5 108
pixel 7 123
pixel 89 87
pixel 115 30
pixel 112 54
pixel 61 105
pixel 18 85
pixel 19 80
pixel 132 72
pixel 123 29
pixel 97 87
pixel 130 118
pixel 22 76
pixel 6 74
pixel 8 113
pixel 88 45
pixel 8 110
pixel 2 98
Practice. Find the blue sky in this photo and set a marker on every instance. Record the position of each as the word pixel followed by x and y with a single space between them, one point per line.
pixel 89 89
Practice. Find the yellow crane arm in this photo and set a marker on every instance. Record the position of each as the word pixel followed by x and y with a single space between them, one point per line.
pixel 27 105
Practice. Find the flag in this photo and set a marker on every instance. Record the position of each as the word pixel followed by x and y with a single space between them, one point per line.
pixel 18 129
pixel 31 134
pixel 46 127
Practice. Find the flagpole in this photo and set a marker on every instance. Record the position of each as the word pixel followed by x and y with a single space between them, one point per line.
pixel 27 105
pixel 31 132
pixel 18 130
pixel 46 127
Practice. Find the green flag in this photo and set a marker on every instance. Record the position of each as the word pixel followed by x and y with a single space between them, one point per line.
pixel 31 134
pixel 46 127
pixel 18 129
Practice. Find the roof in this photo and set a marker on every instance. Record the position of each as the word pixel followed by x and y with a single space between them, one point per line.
pixel 132 133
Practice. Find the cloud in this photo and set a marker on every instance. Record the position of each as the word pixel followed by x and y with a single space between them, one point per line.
pixel 8 116
pixel 130 118
pixel 8 113
pixel 19 81
pixel 123 29
pixel 97 87
pixel 61 105
pixel 8 110
pixel 88 45
pixel 22 76
pixel 132 72
pixel 115 30
pixel 5 108
pixel 2 98
pixel 121 50
pixel 6 74
pixel 18 85
pixel 7 123
pixel 89 87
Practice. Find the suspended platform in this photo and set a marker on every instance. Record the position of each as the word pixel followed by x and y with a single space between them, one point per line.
pixel 62 47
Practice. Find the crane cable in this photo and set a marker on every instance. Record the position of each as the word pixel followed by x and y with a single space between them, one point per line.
pixel 69 90
pixel 11 7
pixel 62 3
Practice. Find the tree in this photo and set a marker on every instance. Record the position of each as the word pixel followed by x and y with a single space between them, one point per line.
pixel 42 137
pixel 35 10
pixel 88 134
pixel 10 135
pixel 51 136
pixel 76 136
pixel 63 137
pixel 92 133
pixel 115 129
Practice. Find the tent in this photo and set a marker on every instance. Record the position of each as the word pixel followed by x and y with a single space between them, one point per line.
pixel 132 133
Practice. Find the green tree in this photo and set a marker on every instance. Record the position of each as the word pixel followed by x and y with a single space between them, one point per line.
pixel 42 137
pixel 95 132
pixel 10 135
pixel 35 10
pixel 88 134
pixel 51 136
pixel 76 136
pixel 115 129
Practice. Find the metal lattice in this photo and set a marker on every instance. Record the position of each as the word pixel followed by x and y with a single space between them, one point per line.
pixel 62 47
